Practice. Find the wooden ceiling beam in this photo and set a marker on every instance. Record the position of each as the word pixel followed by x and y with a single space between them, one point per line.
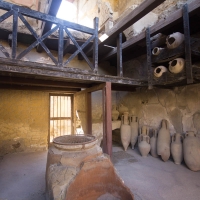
pixel 41 83
pixel 39 88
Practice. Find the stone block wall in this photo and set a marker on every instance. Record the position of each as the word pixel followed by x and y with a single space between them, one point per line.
pixel 24 121
pixel 180 106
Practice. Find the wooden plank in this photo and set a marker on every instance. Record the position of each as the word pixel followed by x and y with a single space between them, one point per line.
pixel 14 34
pixel 93 89
pixel 44 17
pixel 88 103
pixel 149 62
pixel 107 119
pixel 80 49
pixel 119 56
pixel 4 51
pixel 39 88
pixel 51 10
pixel 27 67
pixel 104 148
pixel 37 38
pixel 6 15
pixel 39 82
pixel 188 59
pixel 162 25
pixel 60 46
pixel 95 45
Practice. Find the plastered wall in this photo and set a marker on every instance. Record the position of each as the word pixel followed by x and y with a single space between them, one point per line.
pixel 24 117
pixel 180 106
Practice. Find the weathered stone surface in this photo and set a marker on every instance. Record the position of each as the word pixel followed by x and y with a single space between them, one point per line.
pixel 23 121
pixel 86 174
pixel 180 106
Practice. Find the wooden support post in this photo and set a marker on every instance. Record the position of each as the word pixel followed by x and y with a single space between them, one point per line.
pixel 60 46
pixel 119 56
pixel 88 103
pixel 107 121
pixel 14 34
pixel 149 64
pixel 188 62
pixel 95 44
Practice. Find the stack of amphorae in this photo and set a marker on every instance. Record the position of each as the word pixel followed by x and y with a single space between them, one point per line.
pixel 176 65
pixel 161 144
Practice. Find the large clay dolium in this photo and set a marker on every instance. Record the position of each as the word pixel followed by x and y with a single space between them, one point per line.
pixel 163 142
pixel 177 148
pixel 144 145
pixel 134 130
pixel 153 143
pixel 191 151
pixel 125 131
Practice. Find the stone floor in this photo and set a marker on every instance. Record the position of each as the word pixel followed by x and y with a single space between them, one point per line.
pixel 22 177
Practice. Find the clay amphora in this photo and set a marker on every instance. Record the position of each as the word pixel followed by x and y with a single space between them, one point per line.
pixel 134 130
pixel 176 65
pixel 177 148
pixel 153 143
pixel 122 109
pixel 144 145
pixel 125 131
pixel 143 131
pixel 163 141
pixel 158 71
pixel 156 51
pixel 115 114
pixel 191 151
pixel 174 40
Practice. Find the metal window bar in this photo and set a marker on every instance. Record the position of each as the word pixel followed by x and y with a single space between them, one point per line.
pixel 63 25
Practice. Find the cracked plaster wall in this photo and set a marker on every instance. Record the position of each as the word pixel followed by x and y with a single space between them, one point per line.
pixel 23 121
pixel 180 106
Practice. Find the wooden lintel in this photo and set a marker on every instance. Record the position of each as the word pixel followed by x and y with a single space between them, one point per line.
pixel 159 27
pixel 39 88
pixel 39 82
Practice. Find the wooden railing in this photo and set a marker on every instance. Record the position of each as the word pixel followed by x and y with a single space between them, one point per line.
pixel 61 25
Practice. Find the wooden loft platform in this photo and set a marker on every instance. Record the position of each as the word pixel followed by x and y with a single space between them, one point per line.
pixel 13 64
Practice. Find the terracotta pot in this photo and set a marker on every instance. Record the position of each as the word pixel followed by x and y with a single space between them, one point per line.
pixel 174 40
pixel 177 148
pixel 134 130
pixel 122 109
pixel 156 51
pixel 125 131
pixel 158 71
pixel 163 141
pixel 176 65
pixel 115 114
pixel 144 145
pixel 153 143
pixel 191 151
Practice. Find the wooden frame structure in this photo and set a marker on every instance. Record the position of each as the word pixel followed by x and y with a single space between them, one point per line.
pixel 61 25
